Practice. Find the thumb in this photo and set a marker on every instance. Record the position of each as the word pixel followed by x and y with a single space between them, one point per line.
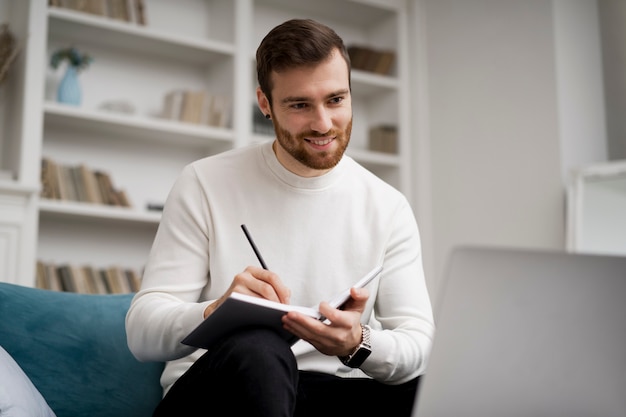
pixel 358 299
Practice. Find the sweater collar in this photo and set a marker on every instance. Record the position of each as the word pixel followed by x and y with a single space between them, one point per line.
pixel 296 181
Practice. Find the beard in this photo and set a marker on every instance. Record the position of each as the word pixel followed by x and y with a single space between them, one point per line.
pixel 296 146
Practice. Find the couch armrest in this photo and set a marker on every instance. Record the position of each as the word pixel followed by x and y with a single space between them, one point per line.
pixel 73 348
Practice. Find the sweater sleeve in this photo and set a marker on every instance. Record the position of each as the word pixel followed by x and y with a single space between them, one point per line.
pixel 403 323
pixel 167 307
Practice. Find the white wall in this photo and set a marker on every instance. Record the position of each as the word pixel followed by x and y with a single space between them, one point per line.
pixel 613 29
pixel 502 128
pixel 579 85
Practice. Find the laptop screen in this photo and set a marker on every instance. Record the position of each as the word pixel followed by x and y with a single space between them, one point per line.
pixel 528 333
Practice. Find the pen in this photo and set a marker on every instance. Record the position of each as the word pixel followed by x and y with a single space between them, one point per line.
pixel 254 248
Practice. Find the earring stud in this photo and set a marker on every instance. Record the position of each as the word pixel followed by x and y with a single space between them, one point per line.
pixel 267 116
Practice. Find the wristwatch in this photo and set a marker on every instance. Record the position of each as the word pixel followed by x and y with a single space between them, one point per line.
pixel 356 358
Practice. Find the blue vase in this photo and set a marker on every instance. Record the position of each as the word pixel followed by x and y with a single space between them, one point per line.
pixel 69 89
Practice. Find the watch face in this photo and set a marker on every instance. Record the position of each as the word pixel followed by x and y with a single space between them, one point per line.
pixel 359 357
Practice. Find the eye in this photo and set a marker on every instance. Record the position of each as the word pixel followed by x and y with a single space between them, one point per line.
pixel 298 106
pixel 336 100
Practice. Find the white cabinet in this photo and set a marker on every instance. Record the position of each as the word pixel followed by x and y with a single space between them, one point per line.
pixel 597 209
pixel 188 44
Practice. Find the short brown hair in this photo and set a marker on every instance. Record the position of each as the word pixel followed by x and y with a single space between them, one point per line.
pixel 295 43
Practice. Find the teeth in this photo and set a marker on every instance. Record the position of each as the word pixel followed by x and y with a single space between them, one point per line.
pixel 321 142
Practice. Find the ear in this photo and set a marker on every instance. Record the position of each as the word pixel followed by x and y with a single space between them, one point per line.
pixel 263 102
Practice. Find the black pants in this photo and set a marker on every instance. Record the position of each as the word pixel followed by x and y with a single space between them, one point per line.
pixel 254 373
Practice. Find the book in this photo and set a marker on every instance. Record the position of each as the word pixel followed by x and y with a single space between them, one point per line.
pixel 94 281
pixel 52 278
pixel 78 182
pixel 383 138
pixel 119 10
pixel 191 111
pixel 97 7
pixel 90 184
pixel 359 55
pixel 218 112
pixel 140 12
pixel 49 177
pixel 116 280
pixel 67 192
pixel 81 283
pixel 67 281
pixel 40 279
pixel 385 63
pixel 172 105
pixel 122 198
pixel 107 191
pixel 240 311
pixel 134 279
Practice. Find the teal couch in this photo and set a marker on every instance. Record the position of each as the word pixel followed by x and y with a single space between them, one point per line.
pixel 73 349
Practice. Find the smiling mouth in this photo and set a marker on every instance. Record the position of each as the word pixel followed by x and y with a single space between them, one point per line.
pixel 320 142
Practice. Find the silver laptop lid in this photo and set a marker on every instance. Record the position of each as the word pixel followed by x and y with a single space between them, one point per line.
pixel 528 333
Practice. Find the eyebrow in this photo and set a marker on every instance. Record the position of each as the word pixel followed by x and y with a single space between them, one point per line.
pixel 294 99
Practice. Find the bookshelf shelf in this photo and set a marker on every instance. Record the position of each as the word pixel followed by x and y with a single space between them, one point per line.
pixel 352 12
pixel 13 188
pixel 366 84
pixel 91 212
pixel 103 31
pixel 374 158
pixel 596 201
pixel 136 126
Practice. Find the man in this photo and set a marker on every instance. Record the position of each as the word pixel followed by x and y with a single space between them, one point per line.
pixel 321 221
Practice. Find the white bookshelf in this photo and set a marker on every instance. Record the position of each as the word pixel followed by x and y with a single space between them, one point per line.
pixel 596 209
pixel 103 215
pixel 120 126
pixel 188 44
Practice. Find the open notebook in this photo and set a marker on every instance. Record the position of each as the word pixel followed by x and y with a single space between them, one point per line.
pixel 528 333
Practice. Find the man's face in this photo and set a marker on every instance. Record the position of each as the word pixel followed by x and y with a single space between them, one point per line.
pixel 312 116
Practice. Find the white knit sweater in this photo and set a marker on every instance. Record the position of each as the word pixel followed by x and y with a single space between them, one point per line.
pixel 318 234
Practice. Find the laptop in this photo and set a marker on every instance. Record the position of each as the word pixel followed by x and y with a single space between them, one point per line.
pixel 528 333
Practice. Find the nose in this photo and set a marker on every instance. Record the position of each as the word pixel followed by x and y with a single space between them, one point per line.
pixel 321 121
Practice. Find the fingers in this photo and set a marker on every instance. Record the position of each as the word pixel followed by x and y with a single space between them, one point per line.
pixel 260 283
pixel 358 299
pixel 342 330
pixel 330 338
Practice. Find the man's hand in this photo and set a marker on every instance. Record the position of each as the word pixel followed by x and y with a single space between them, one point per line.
pixel 341 335
pixel 257 282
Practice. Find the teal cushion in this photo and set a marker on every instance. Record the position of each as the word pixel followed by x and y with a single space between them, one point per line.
pixel 73 348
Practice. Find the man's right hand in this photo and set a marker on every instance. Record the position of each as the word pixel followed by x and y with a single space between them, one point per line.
pixel 257 282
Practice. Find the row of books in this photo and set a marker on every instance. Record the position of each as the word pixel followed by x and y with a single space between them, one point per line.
pixel 199 107
pixel 125 10
pixel 79 183
pixel 383 138
pixel 87 279
pixel 373 60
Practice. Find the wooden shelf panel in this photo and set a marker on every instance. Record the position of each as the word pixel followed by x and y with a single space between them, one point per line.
pixel 374 158
pixel 92 212
pixel 124 126
pixel 351 12
pixel 69 24
pixel 366 84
